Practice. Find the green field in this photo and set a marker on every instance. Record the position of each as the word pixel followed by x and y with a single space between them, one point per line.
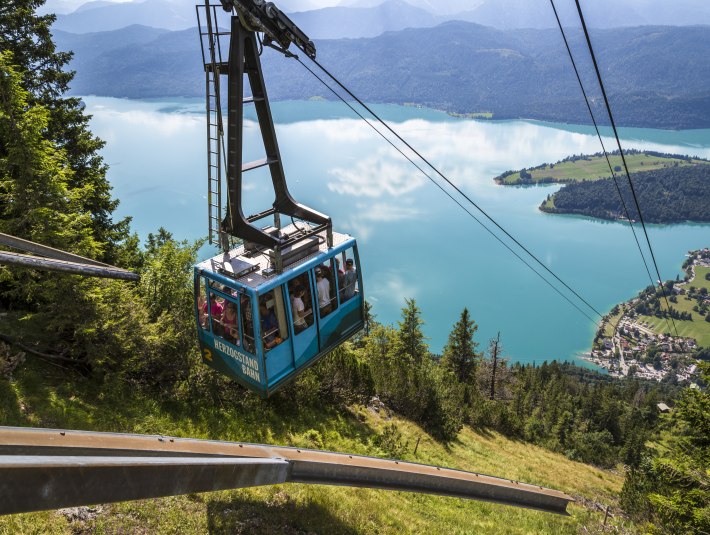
pixel 475 115
pixel 40 396
pixel 698 328
pixel 611 321
pixel 594 168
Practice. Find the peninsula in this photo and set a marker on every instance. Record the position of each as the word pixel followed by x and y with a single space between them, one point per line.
pixel 671 188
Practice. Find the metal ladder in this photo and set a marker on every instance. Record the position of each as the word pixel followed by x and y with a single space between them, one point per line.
pixel 213 63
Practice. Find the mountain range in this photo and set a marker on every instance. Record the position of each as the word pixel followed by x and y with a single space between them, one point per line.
pixel 371 18
pixel 655 76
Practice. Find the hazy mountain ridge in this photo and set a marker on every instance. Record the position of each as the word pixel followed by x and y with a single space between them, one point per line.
pixel 370 18
pixel 342 22
pixel 656 76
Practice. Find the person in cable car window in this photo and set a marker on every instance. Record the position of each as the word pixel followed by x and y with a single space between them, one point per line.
pixel 202 308
pixel 299 309
pixel 216 310
pixel 350 278
pixel 269 326
pixel 323 287
pixel 229 322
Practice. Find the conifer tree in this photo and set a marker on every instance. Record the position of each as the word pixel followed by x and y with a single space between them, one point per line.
pixel 45 77
pixel 460 351
pixel 36 200
pixel 411 340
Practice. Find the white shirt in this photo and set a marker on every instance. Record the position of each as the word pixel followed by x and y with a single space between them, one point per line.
pixel 323 292
pixel 298 309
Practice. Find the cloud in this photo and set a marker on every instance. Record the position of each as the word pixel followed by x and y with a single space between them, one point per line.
pixel 364 224
pixel 166 124
pixel 375 176
pixel 386 212
pixel 391 288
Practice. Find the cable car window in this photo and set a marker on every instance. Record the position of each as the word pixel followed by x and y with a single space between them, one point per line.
pixel 326 287
pixel 348 283
pixel 214 308
pixel 272 317
pixel 245 310
pixel 201 300
pixel 299 290
pixel 230 322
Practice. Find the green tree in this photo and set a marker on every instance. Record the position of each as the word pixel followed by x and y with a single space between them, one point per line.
pixel 671 486
pixel 410 337
pixel 36 199
pixel 460 351
pixel 43 74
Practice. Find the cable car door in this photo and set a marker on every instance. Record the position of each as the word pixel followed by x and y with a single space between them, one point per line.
pixel 327 305
pixel 303 321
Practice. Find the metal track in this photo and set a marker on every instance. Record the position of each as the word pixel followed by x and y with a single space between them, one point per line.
pixel 49 264
pixel 47 469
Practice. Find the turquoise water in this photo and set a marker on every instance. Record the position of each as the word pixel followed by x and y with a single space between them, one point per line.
pixel 414 241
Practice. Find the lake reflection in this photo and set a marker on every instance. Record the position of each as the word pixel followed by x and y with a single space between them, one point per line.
pixel 414 241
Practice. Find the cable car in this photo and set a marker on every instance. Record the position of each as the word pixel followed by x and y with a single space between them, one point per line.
pixel 276 298
pixel 261 327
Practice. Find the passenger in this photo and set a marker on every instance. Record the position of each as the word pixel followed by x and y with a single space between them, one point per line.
pixel 202 309
pixel 350 279
pixel 269 326
pixel 216 310
pixel 229 322
pixel 323 287
pixel 299 310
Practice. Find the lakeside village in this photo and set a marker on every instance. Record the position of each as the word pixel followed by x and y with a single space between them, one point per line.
pixel 629 343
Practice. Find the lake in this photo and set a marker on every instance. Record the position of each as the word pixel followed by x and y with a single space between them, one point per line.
pixel 414 241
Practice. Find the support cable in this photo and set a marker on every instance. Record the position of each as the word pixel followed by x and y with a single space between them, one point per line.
pixel 455 187
pixel 623 159
pixel 448 194
pixel 601 142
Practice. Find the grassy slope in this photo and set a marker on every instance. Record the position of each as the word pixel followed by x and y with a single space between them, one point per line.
pixel 597 168
pixel 611 321
pixel 698 328
pixel 42 396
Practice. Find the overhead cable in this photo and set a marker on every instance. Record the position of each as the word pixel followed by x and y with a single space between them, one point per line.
pixel 601 142
pixel 623 159
pixel 448 194
pixel 455 187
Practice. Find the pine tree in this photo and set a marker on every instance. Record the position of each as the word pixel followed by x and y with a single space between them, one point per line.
pixel 37 202
pixel 44 76
pixel 460 351
pixel 410 338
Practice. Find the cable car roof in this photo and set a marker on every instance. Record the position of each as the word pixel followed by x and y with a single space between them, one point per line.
pixel 254 269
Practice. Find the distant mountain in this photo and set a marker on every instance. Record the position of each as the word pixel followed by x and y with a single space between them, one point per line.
pixel 93 5
pixel 326 23
pixel 433 6
pixel 369 18
pixel 107 16
pixel 94 49
pixel 655 76
pixel 340 22
pixel 511 14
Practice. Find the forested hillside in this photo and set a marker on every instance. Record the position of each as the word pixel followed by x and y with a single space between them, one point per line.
pixel 669 195
pixel 655 76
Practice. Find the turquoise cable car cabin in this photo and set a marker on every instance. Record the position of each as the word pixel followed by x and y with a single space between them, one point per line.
pixel 261 327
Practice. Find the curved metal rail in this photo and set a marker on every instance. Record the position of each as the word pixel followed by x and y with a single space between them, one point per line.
pixel 48 469
pixel 52 259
